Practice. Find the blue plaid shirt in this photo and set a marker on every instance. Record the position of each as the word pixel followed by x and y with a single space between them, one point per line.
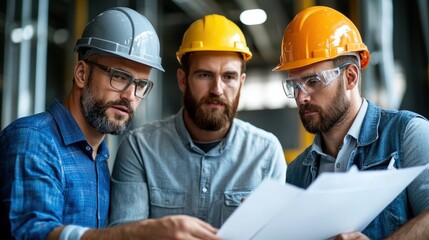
pixel 48 177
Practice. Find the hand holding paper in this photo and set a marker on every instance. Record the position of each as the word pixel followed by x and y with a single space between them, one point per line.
pixel 278 211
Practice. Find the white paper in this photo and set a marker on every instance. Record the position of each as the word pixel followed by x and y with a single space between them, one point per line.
pixel 252 215
pixel 335 203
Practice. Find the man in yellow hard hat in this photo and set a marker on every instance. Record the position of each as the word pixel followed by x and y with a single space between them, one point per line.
pixel 202 161
pixel 323 54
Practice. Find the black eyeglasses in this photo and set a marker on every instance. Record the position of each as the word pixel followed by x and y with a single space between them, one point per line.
pixel 121 80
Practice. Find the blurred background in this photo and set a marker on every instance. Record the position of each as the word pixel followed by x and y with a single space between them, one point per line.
pixel 37 56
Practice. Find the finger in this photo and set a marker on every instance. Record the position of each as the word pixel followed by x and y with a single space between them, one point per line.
pixel 205 234
pixel 351 236
pixel 203 230
pixel 206 225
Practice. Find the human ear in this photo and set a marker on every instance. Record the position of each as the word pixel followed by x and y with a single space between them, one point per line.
pixel 181 79
pixel 352 76
pixel 242 78
pixel 80 72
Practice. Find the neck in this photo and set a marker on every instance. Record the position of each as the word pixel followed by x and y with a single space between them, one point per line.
pixel 333 139
pixel 92 136
pixel 201 135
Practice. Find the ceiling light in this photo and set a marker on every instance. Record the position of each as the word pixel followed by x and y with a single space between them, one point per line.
pixel 253 17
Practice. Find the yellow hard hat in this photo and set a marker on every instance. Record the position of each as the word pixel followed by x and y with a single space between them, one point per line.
pixel 214 33
pixel 317 34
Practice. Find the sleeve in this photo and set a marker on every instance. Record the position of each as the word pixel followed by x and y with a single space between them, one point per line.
pixel 73 232
pixel 31 182
pixel 415 153
pixel 129 199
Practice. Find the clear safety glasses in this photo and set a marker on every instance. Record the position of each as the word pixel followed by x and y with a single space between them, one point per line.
pixel 121 80
pixel 311 83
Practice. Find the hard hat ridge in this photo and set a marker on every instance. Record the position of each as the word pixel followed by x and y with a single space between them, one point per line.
pixel 121 32
pixel 214 33
pixel 317 34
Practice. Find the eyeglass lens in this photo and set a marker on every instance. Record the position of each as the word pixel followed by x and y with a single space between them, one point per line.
pixel 311 83
pixel 121 80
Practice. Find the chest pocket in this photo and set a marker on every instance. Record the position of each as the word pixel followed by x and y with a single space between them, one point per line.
pixel 166 202
pixel 383 162
pixel 232 200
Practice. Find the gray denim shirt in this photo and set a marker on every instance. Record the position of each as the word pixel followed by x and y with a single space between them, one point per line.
pixel 159 171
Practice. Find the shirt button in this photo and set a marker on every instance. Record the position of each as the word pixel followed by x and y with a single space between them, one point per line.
pixel 204 189
pixel 88 148
pixel 338 165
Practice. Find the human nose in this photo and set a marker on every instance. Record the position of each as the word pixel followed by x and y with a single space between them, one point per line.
pixel 301 95
pixel 129 92
pixel 217 87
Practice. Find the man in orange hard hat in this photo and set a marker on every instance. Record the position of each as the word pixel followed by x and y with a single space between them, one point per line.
pixel 202 161
pixel 323 54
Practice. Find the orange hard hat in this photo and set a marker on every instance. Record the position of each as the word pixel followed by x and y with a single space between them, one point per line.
pixel 317 34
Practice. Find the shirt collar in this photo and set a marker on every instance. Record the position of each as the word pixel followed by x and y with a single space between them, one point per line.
pixel 357 123
pixel 67 125
pixel 353 131
pixel 187 140
pixel 69 129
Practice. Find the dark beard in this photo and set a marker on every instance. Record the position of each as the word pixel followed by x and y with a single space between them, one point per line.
pixel 212 119
pixel 94 111
pixel 329 118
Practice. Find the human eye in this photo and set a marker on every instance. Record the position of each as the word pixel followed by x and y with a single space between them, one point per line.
pixel 141 85
pixel 230 76
pixel 121 77
pixel 204 75
pixel 312 81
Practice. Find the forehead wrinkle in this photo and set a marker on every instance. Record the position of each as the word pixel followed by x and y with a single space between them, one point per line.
pixel 215 61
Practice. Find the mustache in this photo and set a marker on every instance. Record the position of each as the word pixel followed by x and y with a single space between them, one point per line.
pixel 214 99
pixel 308 107
pixel 122 102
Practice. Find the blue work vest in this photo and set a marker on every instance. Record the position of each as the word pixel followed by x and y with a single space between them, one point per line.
pixel 379 141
